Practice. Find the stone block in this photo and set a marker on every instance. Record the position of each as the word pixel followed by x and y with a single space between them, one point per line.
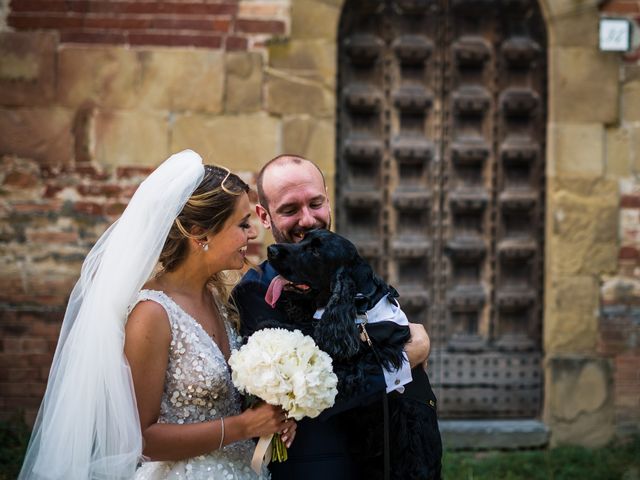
pixel 27 68
pixel 265 10
pixel 631 72
pixel 243 87
pixel 565 8
pixel 577 74
pixel 4 11
pixel 579 28
pixel 579 405
pixel 634 140
pixel 576 149
pixel 629 228
pixel 311 138
pixel 583 226
pixel 106 76
pixel 131 138
pixel 240 142
pixel 571 314
pixel 20 179
pixel 618 153
pixel 41 134
pixel 631 101
pixel 314 19
pixel 181 79
pixel 289 94
pixel 493 434
pixel 619 291
pixel 313 59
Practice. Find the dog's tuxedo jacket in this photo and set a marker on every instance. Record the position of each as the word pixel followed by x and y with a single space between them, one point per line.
pixel 386 310
pixel 320 450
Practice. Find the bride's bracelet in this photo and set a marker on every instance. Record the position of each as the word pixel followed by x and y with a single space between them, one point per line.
pixel 221 433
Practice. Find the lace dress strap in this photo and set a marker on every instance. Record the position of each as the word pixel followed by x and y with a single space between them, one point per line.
pixel 174 312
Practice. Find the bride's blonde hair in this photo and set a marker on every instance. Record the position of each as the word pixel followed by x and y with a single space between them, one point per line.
pixel 208 208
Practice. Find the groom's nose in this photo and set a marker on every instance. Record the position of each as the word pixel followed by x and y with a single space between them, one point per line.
pixel 307 220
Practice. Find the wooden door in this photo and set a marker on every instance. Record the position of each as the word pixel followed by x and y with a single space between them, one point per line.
pixel 440 183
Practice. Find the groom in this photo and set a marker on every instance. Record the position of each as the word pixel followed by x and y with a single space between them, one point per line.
pixel 293 199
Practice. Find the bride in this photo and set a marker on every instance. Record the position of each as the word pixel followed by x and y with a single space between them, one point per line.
pixel 140 374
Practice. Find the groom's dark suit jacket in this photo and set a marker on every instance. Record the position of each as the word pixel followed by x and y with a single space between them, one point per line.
pixel 319 451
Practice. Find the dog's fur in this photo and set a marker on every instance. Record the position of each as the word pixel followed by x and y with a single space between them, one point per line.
pixel 337 279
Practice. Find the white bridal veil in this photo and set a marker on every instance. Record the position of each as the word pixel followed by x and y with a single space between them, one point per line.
pixel 87 426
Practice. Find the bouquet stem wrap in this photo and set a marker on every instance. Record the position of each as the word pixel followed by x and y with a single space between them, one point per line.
pixel 262 453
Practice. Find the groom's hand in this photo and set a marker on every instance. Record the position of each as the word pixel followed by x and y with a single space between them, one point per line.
pixel 419 346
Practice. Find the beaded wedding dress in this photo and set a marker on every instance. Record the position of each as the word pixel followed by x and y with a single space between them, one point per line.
pixel 198 388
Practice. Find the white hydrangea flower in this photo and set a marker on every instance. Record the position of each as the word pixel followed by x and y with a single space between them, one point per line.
pixel 285 368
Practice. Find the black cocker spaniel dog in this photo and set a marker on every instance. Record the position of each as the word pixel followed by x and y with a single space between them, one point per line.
pixel 330 292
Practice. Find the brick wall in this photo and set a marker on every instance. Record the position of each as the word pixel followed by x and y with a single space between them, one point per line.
pixel 619 328
pixel 49 219
pixel 230 25
pixel 623 7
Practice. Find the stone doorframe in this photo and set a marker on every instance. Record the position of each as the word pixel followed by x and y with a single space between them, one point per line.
pixel 581 201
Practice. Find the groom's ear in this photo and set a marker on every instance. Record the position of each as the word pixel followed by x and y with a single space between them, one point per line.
pixel 263 216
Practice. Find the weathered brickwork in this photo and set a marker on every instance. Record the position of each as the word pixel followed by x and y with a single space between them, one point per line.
pixel 619 329
pixel 49 220
pixel 229 25
pixel 624 7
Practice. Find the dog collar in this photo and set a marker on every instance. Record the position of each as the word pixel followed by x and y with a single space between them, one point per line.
pixel 363 304
pixel 385 309
pixel 361 318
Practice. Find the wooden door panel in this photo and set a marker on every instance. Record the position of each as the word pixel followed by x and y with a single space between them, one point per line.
pixel 440 183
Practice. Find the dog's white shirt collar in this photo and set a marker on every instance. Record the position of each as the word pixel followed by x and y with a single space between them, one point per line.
pixel 386 310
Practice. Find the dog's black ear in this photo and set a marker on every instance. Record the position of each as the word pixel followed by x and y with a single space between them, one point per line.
pixel 336 333
pixel 362 274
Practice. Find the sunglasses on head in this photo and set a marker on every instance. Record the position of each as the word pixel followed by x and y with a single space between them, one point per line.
pixel 231 189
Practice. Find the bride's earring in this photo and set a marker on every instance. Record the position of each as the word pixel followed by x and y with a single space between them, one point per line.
pixel 205 246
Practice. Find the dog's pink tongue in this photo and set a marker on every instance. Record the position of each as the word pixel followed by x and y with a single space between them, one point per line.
pixel 274 290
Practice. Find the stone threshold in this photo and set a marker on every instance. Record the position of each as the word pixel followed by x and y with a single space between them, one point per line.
pixel 493 434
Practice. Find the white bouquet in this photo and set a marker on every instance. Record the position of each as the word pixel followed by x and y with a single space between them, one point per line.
pixel 285 368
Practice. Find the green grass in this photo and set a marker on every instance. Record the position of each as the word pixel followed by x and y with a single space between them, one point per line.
pixel 619 461
pixel 14 437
